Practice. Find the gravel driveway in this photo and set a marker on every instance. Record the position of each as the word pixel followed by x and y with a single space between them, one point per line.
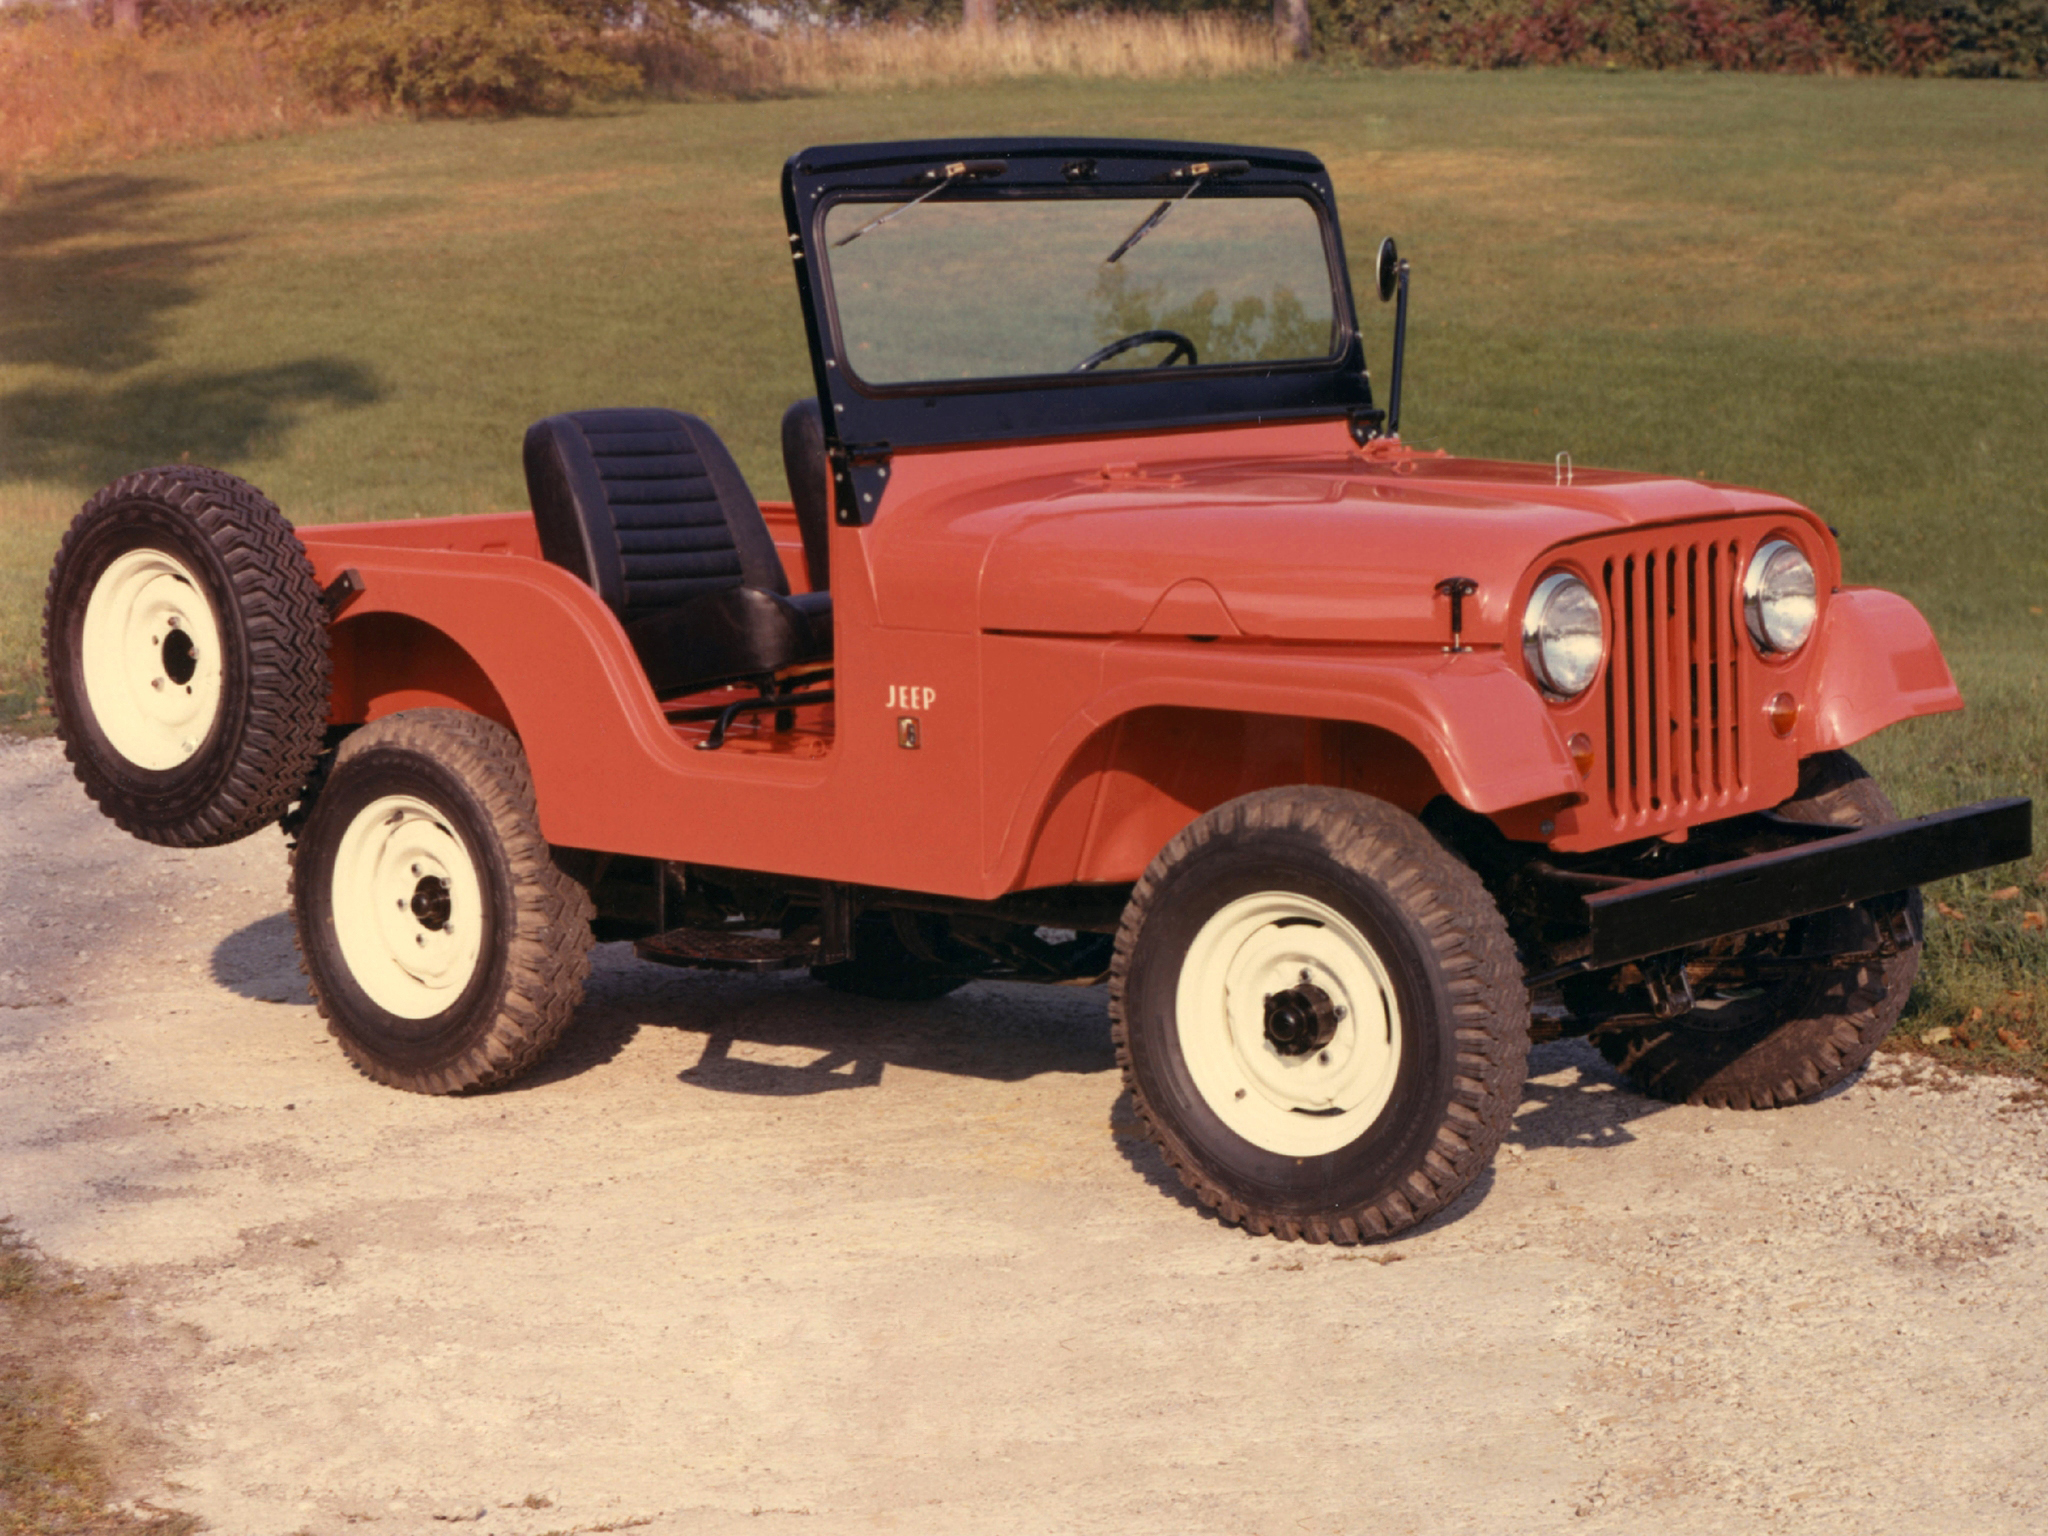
pixel 750 1256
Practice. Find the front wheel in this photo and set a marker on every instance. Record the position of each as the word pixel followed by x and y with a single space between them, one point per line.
pixel 1319 1014
pixel 446 949
pixel 1834 996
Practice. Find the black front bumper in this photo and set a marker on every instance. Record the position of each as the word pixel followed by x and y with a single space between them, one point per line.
pixel 1651 917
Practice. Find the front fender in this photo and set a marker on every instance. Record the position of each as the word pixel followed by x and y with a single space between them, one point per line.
pixel 1484 731
pixel 1879 664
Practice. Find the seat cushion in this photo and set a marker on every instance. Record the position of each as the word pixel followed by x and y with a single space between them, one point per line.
pixel 649 508
pixel 741 634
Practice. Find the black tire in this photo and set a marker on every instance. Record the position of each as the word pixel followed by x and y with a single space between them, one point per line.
pixel 434 809
pixel 884 967
pixel 187 654
pixel 1803 1036
pixel 1316 880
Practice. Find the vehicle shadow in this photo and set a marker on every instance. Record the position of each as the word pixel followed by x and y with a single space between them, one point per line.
pixel 1573 1098
pixel 785 1035
pixel 261 962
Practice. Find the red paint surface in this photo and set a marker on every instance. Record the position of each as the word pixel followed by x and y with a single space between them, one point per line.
pixel 1118 635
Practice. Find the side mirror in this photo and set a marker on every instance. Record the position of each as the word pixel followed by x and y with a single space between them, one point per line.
pixel 1392 273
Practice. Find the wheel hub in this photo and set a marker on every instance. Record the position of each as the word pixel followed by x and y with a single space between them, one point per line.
pixel 431 903
pixel 408 906
pixel 151 654
pixel 181 656
pixel 1287 1022
pixel 1300 1019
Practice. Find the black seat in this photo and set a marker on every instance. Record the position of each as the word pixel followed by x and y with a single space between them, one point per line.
pixel 810 485
pixel 649 509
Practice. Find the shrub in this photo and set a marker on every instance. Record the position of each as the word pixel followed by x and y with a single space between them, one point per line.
pixel 458 55
pixel 1907 37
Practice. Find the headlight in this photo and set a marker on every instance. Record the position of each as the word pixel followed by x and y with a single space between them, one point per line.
pixel 1561 634
pixel 1777 597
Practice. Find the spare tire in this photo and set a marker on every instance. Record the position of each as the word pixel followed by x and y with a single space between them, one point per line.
pixel 187 652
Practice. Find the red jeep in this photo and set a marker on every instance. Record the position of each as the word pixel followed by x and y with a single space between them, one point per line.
pixel 1164 660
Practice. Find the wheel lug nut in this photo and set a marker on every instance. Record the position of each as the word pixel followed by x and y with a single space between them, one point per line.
pixel 1240 1093
pixel 1323 1057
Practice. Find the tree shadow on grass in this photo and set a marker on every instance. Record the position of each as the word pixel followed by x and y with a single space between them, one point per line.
pixel 88 286
pixel 90 435
pixel 83 283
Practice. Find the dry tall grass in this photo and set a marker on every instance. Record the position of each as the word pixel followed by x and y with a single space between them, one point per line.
pixel 732 60
pixel 73 95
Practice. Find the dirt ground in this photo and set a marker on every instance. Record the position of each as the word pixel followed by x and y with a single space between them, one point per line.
pixel 750 1256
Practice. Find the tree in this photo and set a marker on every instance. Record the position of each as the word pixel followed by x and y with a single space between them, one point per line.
pixel 1290 28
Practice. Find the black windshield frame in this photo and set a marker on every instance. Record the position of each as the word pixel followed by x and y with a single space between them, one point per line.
pixel 868 421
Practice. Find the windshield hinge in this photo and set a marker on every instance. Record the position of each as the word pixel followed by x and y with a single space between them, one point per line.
pixel 1366 422
pixel 860 473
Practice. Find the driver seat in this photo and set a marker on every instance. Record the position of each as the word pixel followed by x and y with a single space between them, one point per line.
pixel 648 508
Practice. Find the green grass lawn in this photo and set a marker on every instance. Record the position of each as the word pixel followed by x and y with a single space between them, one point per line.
pixel 1837 289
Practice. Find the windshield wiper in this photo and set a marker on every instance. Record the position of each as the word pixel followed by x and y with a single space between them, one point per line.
pixel 1198 173
pixel 949 174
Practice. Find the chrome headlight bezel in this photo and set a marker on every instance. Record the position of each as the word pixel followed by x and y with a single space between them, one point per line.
pixel 1780 598
pixel 1557 654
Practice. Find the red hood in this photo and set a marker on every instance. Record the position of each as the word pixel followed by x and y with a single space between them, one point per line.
pixel 1332 547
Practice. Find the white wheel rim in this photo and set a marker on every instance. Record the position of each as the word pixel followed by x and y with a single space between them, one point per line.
pixel 1297 1105
pixel 408 907
pixel 152 659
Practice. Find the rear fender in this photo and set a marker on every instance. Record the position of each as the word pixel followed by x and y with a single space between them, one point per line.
pixel 386 662
pixel 516 639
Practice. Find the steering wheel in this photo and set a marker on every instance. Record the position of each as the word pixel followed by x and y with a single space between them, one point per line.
pixel 1182 347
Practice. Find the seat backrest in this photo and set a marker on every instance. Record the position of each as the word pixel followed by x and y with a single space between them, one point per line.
pixel 810 486
pixel 648 507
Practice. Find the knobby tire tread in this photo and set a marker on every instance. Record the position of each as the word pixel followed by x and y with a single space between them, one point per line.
pixel 1475 956
pixel 284 629
pixel 549 954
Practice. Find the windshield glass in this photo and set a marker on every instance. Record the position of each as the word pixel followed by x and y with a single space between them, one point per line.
pixel 972 289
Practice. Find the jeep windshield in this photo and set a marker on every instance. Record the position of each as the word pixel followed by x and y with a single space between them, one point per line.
pixel 972 285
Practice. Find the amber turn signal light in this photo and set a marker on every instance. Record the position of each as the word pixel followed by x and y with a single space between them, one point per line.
pixel 1783 713
pixel 1581 748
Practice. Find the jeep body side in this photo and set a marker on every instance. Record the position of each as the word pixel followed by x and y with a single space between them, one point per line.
pixel 1117 636
pixel 1111 632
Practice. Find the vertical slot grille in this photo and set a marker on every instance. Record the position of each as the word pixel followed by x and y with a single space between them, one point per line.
pixel 1673 689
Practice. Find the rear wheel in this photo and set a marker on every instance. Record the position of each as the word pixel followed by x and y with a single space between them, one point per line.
pixel 1319 1014
pixel 1790 1041
pixel 187 655
pixel 446 949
